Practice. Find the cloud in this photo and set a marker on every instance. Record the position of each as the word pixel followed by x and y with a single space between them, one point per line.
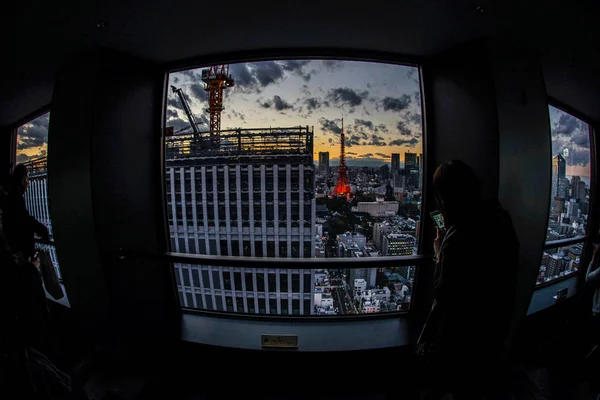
pixel 579 157
pixel 581 139
pixel 566 125
pixel 377 141
pixel 346 96
pixel 362 122
pixel 417 97
pixel 277 103
pixel 396 103
pixel 174 101
pixel 297 67
pixel 255 76
pixel 329 125
pixel 368 155
pixel 171 102
pixel 313 103
pixel 382 155
pixel 353 140
pixel 360 125
pixel 281 104
pixel 570 133
pixel 172 113
pixel 190 73
pixel 415 118
pixel 351 153
pixel 23 158
pixel 404 142
pixel 34 133
pixel 332 64
pixel 178 124
pixel 198 91
pixel 238 115
pixel 403 129
pixel 305 90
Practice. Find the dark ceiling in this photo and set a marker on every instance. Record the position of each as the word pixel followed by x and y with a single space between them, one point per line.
pixel 37 35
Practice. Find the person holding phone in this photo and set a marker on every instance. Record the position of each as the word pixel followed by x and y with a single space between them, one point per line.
pixel 474 286
pixel 20 227
pixel 592 278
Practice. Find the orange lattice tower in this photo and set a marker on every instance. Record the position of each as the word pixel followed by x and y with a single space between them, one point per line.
pixel 342 187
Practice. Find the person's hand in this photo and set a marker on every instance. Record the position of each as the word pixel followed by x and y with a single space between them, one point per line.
pixel 596 254
pixel 437 242
pixel 36 261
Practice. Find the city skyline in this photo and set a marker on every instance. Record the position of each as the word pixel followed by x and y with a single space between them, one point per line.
pixel 380 104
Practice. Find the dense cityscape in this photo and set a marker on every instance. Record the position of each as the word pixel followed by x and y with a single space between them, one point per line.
pixel 292 193
pixel 568 218
pixel 320 188
pixel 287 208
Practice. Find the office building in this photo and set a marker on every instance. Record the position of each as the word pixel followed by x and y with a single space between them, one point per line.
pixel 398 244
pixel 261 205
pixel 559 170
pixel 411 170
pixel 378 208
pixel 324 162
pixel 395 169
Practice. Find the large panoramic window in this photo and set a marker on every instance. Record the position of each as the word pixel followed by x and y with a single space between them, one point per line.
pixel 295 159
pixel 31 150
pixel 569 195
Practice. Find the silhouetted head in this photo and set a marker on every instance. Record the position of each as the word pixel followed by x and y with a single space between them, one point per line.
pixel 20 178
pixel 456 188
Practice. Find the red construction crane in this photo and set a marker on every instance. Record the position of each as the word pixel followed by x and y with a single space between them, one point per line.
pixel 216 78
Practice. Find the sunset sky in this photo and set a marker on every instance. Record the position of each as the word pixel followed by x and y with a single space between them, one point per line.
pixel 380 103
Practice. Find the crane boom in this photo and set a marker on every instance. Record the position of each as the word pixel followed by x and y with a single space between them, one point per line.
pixel 186 108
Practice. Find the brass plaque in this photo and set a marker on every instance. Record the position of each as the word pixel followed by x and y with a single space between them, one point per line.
pixel 280 341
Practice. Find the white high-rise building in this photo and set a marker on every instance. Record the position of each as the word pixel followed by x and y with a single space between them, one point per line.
pixel 251 196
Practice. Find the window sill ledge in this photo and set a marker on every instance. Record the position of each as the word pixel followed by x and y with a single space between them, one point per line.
pixel 312 336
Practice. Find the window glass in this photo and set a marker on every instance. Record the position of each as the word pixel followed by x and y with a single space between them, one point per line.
pixel 312 159
pixel 32 150
pixel 569 194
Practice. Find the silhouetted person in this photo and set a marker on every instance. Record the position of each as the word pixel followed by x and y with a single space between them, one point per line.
pixel 474 286
pixel 592 278
pixel 26 371
pixel 19 225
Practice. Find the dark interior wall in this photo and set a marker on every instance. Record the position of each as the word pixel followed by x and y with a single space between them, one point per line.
pixel 524 158
pixel 127 192
pixel 7 151
pixel 461 113
pixel 105 188
pixel 70 194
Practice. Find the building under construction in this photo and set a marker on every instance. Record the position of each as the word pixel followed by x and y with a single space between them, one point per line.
pixel 252 194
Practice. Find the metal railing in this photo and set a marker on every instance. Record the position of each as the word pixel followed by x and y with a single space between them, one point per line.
pixel 194 296
pixel 36 201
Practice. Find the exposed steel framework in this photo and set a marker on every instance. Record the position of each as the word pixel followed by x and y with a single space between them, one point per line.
pixel 342 187
pixel 216 78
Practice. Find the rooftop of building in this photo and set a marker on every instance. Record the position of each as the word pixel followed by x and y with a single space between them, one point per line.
pixel 246 143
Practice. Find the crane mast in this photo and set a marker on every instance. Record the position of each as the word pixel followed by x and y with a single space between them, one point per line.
pixel 216 79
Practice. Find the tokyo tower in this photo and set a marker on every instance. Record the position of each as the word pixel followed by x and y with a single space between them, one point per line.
pixel 342 187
